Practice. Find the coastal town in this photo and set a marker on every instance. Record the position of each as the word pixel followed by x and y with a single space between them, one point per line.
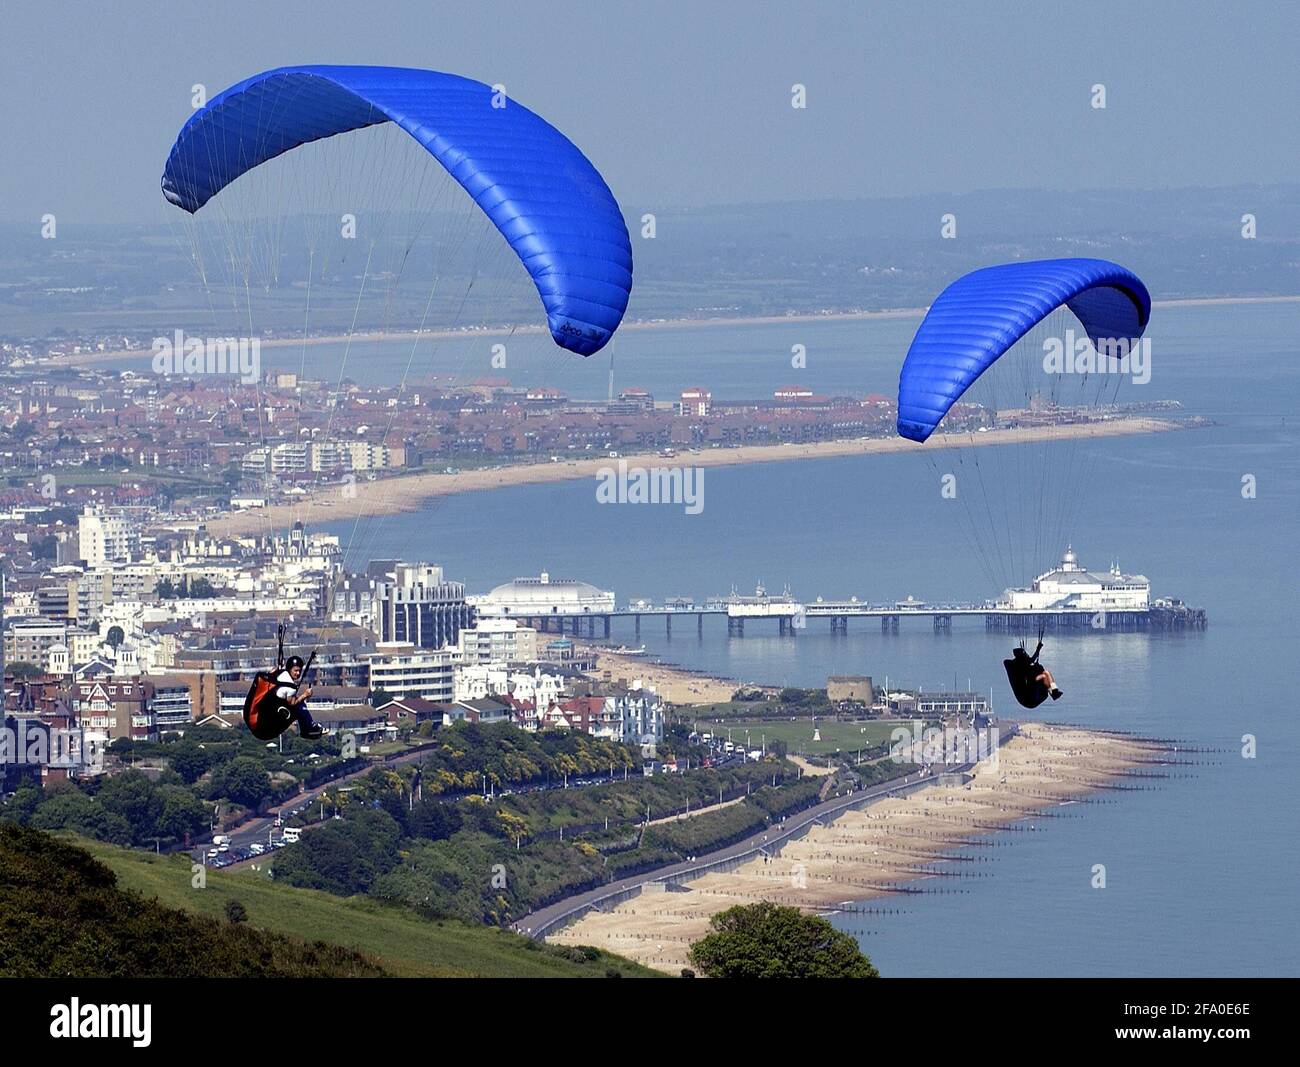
pixel 214 445
pixel 154 541
pixel 168 538
pixel 155 549
pixel 130 651
pixel 132 633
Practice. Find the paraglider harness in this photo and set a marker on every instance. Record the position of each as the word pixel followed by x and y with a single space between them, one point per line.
pixel 1023 671
pixel 266 715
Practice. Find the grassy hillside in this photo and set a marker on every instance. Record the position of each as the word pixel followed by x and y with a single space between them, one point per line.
pixel 64 914
pixel 402 942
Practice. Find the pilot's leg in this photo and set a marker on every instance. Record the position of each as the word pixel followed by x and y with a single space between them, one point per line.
pixel 307 726
pixel 1046 679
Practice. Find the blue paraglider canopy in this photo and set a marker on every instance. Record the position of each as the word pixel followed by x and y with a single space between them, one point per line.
pixel 544 196
pixel 983 314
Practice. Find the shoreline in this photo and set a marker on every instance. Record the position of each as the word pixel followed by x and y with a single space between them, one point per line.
pixel 395 336
pixel 867 853
pixel 679 686
pixel 410 492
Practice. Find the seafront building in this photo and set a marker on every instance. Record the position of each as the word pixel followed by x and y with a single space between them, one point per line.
pixel 1071 586
pixel 944 705
pixel 851 688
pixel 402 670
pixel 633 716
pixel 498 640
pixel 535 687
pixel 531 598
pixel 296 459
pixel 416 605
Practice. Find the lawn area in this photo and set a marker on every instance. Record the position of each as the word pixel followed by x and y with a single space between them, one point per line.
pixel 389 748
pixel 402 941
pixel 798 735
pixel 704 714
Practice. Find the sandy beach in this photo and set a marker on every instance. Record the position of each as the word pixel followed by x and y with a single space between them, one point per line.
pixel 677 686
pixel 862 852
pixel 390 496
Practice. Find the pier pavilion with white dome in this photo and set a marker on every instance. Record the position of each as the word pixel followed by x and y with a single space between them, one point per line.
pixel 1071 586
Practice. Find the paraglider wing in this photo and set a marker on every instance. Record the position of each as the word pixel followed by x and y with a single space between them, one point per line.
pixel 983 314
pixel 539 190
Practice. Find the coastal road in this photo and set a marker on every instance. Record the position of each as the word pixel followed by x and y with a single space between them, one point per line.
pixel 258 829
pixel 541 922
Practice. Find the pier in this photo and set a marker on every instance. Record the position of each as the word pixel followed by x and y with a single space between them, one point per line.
pixel 790 616
pixel 1066 599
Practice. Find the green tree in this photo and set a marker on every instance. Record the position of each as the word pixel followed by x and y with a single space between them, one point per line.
pixel 73 810
pixel 767 940
pixel 136 799
pixel 243 780
pixel 23 804
pixel 343 857
pixel 182 813
pixel 432 820
pixel 190 760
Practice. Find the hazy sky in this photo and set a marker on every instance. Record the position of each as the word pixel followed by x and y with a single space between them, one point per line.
pixel 688 103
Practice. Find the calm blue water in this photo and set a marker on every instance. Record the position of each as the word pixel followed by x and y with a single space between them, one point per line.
pixel 1202 871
